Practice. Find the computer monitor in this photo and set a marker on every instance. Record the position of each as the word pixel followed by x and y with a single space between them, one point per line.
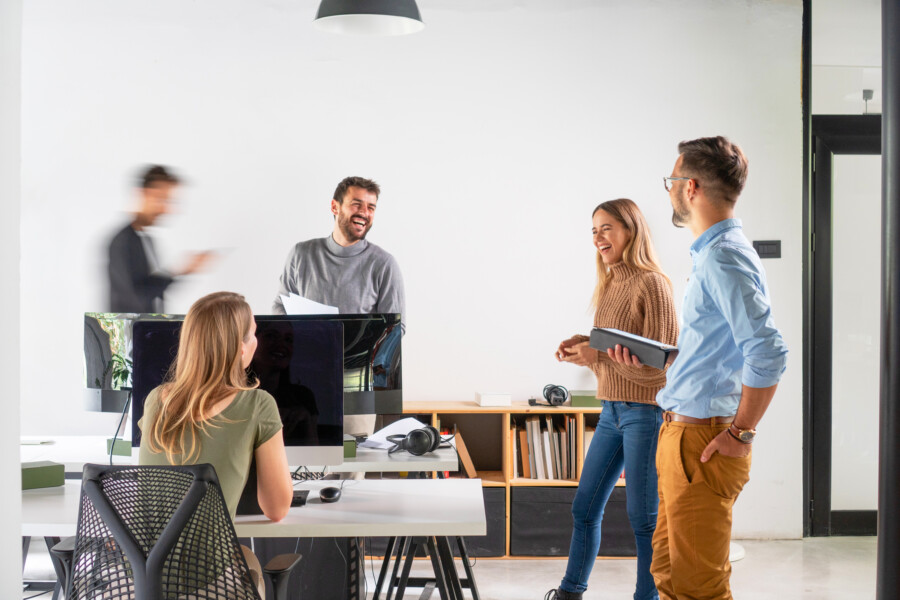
pixel 299 362
pixel 373 366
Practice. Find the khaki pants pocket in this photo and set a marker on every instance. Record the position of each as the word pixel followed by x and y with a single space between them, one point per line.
pixel 726 476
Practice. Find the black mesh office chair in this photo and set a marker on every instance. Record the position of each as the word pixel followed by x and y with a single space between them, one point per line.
pixel 148 533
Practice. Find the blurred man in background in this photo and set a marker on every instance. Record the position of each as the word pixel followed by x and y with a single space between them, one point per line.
pixel 137 282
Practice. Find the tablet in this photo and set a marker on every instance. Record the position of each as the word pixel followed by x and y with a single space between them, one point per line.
pixel 650 352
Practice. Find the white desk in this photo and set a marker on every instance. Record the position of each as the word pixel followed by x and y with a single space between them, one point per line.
pixel 435 508
pixel 75 451
pixel 367 508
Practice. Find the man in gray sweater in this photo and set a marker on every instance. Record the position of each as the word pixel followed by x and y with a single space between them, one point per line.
pixel 346 270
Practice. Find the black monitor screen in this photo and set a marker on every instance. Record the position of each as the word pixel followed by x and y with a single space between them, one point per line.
pixel 299 362
pixel 373 382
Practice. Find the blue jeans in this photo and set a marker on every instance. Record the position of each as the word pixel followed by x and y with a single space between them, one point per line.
pixel 626 435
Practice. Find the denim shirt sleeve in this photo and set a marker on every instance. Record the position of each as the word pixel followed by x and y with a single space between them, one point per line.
pixel 738 288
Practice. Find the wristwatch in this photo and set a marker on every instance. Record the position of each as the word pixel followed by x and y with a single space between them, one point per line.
pixel 744 436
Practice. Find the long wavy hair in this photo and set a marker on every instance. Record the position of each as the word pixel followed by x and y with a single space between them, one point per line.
pixel 208 369
pixel 639 252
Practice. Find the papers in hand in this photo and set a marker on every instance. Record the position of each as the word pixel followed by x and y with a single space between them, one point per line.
pixel 298 305
pixel 401 427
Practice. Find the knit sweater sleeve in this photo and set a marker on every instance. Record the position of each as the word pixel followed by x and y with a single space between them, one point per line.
pixel 655 307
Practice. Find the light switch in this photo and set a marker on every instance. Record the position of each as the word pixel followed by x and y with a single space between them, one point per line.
pixel 768 248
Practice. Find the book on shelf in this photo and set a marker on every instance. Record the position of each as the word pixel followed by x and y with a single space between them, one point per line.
pixel 548 464
pixel 537 448
pixel 562 437
pixel 515 454
pixel 554 454
pixel 560 474
pixel 526 455
pixel 464 458
pixel 573 447
pixel 529 432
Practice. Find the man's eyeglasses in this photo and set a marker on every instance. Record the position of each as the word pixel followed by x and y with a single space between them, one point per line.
pixel 667 181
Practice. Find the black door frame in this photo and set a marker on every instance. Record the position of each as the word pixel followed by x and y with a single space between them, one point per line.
pixel 831 135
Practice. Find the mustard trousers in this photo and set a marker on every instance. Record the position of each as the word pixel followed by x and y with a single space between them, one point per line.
pixel 693 530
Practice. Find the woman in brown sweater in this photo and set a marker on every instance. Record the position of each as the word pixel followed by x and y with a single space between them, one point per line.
pixel 634 295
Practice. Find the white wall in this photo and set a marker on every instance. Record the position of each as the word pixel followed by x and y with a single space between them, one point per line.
pixel 10 193
pixel 494 133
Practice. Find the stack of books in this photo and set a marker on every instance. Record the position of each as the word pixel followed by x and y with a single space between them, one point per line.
pixel 544 448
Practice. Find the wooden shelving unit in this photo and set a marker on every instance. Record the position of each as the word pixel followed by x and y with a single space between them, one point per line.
pixel 486 432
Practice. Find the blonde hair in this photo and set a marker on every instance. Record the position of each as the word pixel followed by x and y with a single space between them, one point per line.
pixel 639 252
pixel 207 369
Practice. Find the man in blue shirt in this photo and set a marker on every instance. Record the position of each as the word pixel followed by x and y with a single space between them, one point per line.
pixel 730 360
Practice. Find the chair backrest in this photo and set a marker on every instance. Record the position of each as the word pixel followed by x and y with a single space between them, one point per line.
pixel 153 533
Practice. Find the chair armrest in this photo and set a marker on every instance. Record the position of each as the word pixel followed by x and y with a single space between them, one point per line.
pixel 65 546
pixel 283 563
pixel 61 556
pixel 279 571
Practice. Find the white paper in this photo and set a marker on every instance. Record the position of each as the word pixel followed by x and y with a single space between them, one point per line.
pixel 401 427
pixel 298 305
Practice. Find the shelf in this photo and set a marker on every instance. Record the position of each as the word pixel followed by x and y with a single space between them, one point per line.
pixel 543 482
pixel 492 478
pixel 487 432
pixel 472 407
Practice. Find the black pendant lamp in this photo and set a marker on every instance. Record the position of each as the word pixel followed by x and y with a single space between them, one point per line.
pixel 369 17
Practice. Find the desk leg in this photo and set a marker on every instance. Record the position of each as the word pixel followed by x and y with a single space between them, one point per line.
pixel 402 545
pixel 384 566
pixel 439 571
pixel 62 571
pixel 452 576
pixel 407 566
pixel 470 574
pixel 354 588
pixel 26 542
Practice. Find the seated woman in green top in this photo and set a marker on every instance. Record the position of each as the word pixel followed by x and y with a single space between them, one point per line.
pixel 208 411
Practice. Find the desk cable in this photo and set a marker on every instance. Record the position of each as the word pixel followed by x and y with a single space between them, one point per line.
pixel 302 473
pixel 359 550
pixel 112 446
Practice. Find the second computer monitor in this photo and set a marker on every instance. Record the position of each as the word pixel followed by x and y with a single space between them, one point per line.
pixel 373 365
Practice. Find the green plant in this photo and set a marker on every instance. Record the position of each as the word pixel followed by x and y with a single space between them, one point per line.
pixel 119 371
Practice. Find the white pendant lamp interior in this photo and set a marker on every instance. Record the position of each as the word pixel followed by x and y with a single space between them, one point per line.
pixel 369 17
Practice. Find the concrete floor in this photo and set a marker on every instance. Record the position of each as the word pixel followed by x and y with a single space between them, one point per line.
pixel 838 568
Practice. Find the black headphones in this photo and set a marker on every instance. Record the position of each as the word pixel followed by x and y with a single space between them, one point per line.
pixel 417 442
pixel 555 395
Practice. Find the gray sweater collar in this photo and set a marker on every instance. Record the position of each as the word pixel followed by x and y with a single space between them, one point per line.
pixel 338 250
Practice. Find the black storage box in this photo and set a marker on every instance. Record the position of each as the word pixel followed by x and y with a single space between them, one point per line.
pixel 541 523
pixel 492 544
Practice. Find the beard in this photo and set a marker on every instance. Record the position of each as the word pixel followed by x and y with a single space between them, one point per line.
pixel 680 214
pixel 349 229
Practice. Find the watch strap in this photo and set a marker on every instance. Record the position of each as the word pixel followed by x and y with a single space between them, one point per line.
pixel 736 432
